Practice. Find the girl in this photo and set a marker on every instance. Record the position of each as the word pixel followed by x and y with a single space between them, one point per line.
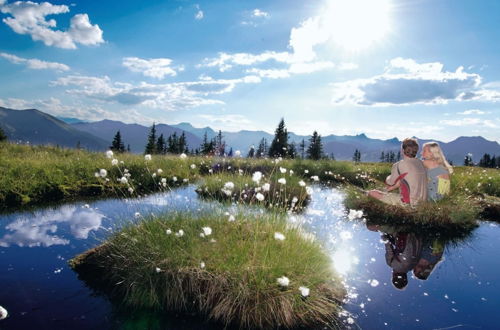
pixel 438 171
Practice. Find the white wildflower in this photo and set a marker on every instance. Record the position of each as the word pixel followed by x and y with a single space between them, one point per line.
pixel 282 170
pixel 202 235
pixel 282 181
pixel 202 265
pixel 125 171
pixel 295 200
pixel 174 179
pixel 302 183
pixel 168 231
pixel 279 236
pixel 291 172
pixel 103 173
pixel 350 320
pixel 154 175
pixel 114 162
pixel 183 156
pixel 257 176
pixel 266 187
pixel 229 185
pixel 315 178
pixel 207 231
pixel 283 281
pixel 237 153
pixel 304 291
pixel 240 171
pixel 158 269
pixel 180 233
pixel 159 171
pixel 130 190
pixel 137 215
pixel 96 174
pixel 309 190
pixel 259 197
pixel 193 166
pixel 163 180
pixel 211 171
pixel 185 180
pixel 231 218
pixel 87 206
pixel 123 180
pixel 109 154
pixel 147 157
pixel 306 171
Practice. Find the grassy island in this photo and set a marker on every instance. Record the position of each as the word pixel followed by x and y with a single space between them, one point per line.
pixel 251 271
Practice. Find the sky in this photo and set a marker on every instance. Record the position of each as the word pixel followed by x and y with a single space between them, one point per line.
pixel 386 68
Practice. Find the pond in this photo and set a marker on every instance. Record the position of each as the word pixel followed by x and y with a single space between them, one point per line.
pixel 430 284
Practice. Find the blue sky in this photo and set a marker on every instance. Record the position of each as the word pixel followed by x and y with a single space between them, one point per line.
pixel 381 67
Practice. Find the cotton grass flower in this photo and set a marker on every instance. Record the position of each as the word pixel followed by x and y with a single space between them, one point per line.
pixel 282 170
pixel 123 180
pixel 109 154
pixel 309 190
pixel 237 153
pixel 157 269
pixel 266 187
pixel 355 214
pixel 168 231
pixel 182 156
pixel 103 173
pixel 159 171
pixel 257 176
pixel 147 157
pixel 193 166
pixel 315 178
pixel 174 179
pixel 130 190
pixel 137 215
pixel 259 197
pixel 279 236
pixel 283 281
pixel 207 231
pixel 302 183
pixel 114 162
pixel 180 233
pixel 202 265
pixel 229 185
pixel 304 291
pixel 3 313
pixel 282 181
pixel 231 218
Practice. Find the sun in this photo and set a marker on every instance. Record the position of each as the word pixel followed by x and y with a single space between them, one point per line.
pixel 357 24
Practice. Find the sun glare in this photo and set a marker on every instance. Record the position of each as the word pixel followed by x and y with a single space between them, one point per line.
pixel 356 24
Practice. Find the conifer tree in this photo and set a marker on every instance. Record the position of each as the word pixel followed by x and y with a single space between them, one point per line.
pixel 182 144
pixel 220 145
pixel 117 144
pixel 161 147
pixel 262 148
pixel 128 148
pixel 151 145
pixel 279 145
pixel 230 153
pixel 315 149
pixel 357 156
pixel 382 157
pixel 302 148
pixel 251 152
pixel 3 136
pixel 292 150
pixel 468 160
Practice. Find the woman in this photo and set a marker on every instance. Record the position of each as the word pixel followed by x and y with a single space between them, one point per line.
pixel 438 171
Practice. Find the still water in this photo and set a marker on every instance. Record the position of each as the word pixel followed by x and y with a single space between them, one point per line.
pixel 395 279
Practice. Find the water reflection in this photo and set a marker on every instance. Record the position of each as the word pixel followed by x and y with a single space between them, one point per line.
pixel 409 252
pixel 41 228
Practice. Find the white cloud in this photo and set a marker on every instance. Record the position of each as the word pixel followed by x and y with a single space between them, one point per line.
pixel 172 96
pixel 472 112
pixel 34 63
pixel 347 66
pixel 30 18
pixel 304 38
pixel 199 14
pixel 154 67
pixel 407 82
pixel 226 61
pixel 260 13
pixel 469 122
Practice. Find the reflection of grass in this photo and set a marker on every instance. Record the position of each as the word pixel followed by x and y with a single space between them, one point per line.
pixel 237 282
pixel 289 195
pixel 456 212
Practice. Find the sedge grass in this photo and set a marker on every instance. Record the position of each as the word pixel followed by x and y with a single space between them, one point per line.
pixel 229 276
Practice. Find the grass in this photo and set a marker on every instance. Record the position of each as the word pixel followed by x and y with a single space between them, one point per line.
pixel 292 194
pixel 237 284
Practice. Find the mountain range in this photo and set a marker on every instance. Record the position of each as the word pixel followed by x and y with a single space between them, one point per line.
pixel 37 127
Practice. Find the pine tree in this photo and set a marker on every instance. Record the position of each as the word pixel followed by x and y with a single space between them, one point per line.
pixel 279 145
pixel 262 149
pixel 207 147
pixel 230 153
pixel 151 145
pixel 220 145
pixel 392 157
pixel 251 152
pixel 173 144
pixel 315 149
pixel 292 150
pixel 357 156
pixel 382 157
pixel 128 148
pixel 3 136
pixel 161 147
pixel 182 144
pixel 78 145
pixel 117 144
pixel 302 148
pixel 468 160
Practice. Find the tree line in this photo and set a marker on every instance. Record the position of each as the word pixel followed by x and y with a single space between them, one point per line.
pixel 489 161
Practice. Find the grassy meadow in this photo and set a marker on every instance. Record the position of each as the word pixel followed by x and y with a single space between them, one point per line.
pixel 251 271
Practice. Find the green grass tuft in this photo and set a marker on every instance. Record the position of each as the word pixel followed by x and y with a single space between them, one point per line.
pixel 238 285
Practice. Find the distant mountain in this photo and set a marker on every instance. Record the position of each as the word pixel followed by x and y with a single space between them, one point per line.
pixel 199 132
pixel 37 127
pixel 476 145
pixel 69 120
pixel 134 134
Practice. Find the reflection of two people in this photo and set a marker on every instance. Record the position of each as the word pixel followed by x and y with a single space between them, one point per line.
pixel 407 251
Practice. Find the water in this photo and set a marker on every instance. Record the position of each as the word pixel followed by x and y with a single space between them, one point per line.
pixel 40 291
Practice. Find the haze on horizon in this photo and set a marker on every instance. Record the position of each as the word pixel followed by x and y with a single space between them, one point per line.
pixel 386 68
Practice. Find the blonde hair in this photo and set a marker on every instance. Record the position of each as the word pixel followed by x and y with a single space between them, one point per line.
pixel 438 155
